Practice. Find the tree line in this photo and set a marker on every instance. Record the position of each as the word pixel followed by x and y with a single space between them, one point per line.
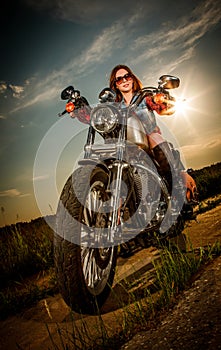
pixel 208 180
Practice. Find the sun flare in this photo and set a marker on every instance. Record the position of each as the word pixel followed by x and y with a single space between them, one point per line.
pixel 181 105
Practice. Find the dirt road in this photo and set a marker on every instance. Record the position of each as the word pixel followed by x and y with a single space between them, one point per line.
pixel 40 327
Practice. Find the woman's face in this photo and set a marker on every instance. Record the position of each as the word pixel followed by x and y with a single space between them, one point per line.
pixel 124 80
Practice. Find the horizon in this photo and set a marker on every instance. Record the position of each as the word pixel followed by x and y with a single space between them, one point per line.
pixel 45 218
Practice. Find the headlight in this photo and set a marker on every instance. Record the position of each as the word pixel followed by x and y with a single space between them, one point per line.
pixel 104 118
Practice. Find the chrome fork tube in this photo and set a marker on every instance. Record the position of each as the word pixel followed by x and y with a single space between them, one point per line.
pixel 116 197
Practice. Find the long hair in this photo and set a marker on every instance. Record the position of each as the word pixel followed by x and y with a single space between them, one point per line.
pixel 137 85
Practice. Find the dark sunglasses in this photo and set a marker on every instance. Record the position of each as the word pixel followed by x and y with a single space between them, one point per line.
pixel 119 80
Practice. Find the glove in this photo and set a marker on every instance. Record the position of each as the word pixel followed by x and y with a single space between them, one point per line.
pixel 81 110
pixel 83 114
pixel 161 103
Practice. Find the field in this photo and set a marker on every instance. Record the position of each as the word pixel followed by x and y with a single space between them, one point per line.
pixel 33 312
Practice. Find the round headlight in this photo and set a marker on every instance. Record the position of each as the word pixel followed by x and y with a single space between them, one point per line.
pixel 104 118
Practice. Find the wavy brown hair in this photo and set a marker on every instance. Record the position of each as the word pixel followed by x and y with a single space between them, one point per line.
pixel 137 85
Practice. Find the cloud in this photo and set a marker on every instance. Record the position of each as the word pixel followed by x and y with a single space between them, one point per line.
pixel 178 39
pixel 192 149
pixel 3 87
pixel 41 177
pixel 13 192
pixel 203 151
pixel 212 144
pixel 17 90
pixel 172 65
pixel 84 11
pixel 184 33
pixel 100 49
pixel 25 195
pixel 10 193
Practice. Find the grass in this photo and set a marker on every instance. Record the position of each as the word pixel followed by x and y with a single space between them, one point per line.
pixel 28 249
pixel 209 204
pixel 173 273
pixel 25 248
pixel 23 294
pixel 26 254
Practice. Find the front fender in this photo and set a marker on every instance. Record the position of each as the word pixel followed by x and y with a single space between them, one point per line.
pixel 96 163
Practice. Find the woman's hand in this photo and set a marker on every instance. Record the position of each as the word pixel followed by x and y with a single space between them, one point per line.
pixel 72 114
pixel 161 103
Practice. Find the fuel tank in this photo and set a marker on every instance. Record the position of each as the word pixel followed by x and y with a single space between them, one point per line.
pixel 136 133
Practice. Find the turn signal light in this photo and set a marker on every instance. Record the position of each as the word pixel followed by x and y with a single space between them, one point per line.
pixel 69 107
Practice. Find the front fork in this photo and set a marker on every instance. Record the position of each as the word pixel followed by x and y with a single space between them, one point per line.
pixel 117 194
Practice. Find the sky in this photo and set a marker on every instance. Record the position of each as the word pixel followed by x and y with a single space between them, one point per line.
pixel 47 45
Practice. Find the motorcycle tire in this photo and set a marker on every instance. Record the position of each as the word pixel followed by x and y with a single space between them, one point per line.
pixel 85 274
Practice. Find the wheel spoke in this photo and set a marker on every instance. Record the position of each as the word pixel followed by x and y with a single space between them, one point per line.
pixel 95 276
pixel 91 270
pixel 96 262
pixel 86 261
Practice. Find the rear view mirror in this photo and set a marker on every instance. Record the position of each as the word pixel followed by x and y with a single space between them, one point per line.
pixel 168 82
pixel 107 95
pixel 67 93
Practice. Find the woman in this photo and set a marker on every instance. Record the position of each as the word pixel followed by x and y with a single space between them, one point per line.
pixel 125 83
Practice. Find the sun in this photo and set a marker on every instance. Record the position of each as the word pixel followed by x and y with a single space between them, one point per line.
pixel 181 105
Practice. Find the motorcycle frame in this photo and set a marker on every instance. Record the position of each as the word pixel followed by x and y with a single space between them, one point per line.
pixel 96 153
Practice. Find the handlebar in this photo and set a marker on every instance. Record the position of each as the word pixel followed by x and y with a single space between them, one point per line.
pixel 107 94
pixel 62 113
pixel 141 94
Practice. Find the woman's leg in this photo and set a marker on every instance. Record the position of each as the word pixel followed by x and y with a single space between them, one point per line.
pixel 168 163
pixel 180 184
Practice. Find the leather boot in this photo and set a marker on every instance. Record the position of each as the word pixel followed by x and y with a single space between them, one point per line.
pixel 169 163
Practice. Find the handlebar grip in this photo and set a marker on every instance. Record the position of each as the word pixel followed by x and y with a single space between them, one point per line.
pixel 62 113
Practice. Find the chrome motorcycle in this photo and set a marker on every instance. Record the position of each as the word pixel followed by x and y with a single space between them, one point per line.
pixel 114 197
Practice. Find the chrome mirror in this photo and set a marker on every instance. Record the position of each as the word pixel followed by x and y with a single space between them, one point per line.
pixel 107 95
pixel 168 82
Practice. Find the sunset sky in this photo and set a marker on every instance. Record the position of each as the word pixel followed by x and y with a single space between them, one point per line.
pixel 47 45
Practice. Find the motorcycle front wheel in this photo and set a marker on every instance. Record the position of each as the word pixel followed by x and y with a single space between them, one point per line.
pixel 85 259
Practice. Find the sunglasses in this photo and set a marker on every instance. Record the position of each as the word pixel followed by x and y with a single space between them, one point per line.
pixel 119 80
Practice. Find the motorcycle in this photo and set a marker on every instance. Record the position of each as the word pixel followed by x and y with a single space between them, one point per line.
pixel 114 197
